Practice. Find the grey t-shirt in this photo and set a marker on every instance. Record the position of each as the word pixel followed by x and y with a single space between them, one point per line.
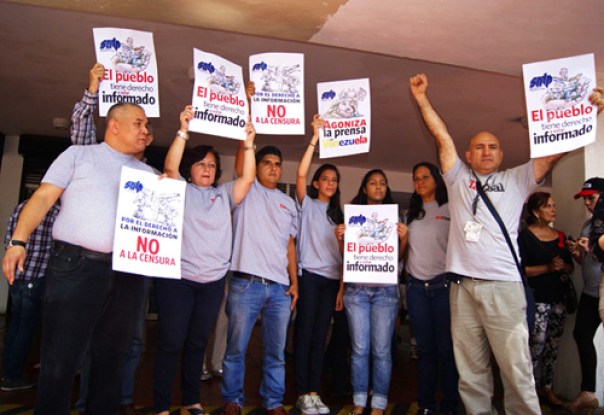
pixel 207 236
pixel 318 250
pixel 490 257
pixel 427 246
pixel 262 225
pixel 90 176
pixel 591 270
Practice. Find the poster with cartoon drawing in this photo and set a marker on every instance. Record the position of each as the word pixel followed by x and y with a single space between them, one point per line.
pixel 371 244
pixel 278 105
pixel 130 69
pixel 560 116
pixel 219 103
pixel 148 225
pixel 346 107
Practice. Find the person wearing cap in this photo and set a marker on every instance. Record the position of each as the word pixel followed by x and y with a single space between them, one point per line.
pixel 588 319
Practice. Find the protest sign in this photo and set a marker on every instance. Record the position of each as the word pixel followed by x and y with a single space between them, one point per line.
pixel 371 244
pixel 560 116
pixel 346 108
pixel 219 103
pixel 130 69
pixel 148 228
pixel 278 105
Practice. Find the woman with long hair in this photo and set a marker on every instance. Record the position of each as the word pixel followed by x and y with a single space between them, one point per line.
pixel 187 308
pixel 372 311
pixel 320 266
pixel 545 259
pixel 425 246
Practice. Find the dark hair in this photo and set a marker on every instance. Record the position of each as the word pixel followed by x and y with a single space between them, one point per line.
pixel 268 150
pixel 361 197
pixel 197 154
pixel 535 201
pixel 416 204
pixel 334 210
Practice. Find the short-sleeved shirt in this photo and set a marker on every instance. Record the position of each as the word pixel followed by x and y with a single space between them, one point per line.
pixel 207 236
pixel 427 246
pixel 490 257
pixel 317 246
pixel 262 225
pixel 90 176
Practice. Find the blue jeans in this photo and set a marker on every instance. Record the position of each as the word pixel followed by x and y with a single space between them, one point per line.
pixel 371 311
pixel 26 303
pixel 430 315
pixel 245 301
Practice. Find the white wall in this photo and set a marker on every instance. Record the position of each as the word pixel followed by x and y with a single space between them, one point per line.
pixel 10 182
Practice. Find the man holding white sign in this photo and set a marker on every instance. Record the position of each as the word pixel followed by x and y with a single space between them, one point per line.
pixel 84 302
pixel 483 266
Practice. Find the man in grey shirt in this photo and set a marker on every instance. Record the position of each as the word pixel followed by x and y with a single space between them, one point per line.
pixel 85 303
pixel 488 306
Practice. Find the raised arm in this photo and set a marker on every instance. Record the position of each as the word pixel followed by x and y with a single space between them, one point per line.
pixel 244 181
pixel 597 98
pixel 83 130
pixel 177 148
pixel 32 214
pixel 303 166
pixel 250 89
pixel 447 154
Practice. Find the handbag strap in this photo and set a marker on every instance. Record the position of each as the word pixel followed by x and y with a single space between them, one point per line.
pixel 504 230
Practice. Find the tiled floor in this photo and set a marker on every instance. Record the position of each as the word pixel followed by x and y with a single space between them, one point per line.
pixel 402 390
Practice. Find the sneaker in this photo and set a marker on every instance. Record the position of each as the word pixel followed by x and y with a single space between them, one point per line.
pixel 306 405
pixel 206 375
pixel 231 408
pixel 321 407
pixel 17 384
pixel 280 410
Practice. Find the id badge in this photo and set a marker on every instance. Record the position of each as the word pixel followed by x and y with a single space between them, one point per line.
pixel 472 230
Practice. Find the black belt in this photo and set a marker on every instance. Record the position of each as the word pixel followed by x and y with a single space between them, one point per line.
pixel 252 278
pixel 70 249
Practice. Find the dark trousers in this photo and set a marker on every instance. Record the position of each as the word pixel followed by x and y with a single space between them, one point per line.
pixel 315 308
pixel 586 324
pixel 26 303
pixel 430 316
pixel 186 312
pixel 85 303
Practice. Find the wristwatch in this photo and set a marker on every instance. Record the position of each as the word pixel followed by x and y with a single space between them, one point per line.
pixel 15 242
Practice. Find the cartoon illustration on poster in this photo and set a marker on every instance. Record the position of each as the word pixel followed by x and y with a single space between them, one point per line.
pixel 130 69
pixel 560 116
pixel 148 225
pixel 371 244
pixel 219 103
pixel 278 105
pixel 346 108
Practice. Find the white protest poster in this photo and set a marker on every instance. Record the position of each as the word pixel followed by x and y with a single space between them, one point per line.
pixel 346 107
pixel 560 116
pixel 130 69
pixel 219 103
pixel 371 244
pixel 278 105
pixel 148 226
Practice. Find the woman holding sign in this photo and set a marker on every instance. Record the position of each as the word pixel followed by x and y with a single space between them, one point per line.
pixel 428 290
pixel 372 311
pixel 187 308
pixel 320 265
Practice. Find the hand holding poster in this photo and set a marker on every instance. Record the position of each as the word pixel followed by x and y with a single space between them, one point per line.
pixel 560 116
pixel 130 69
pixel 371 244
pixel 148 226
pixel 346 107
pixel 278 105
pixel 219 102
